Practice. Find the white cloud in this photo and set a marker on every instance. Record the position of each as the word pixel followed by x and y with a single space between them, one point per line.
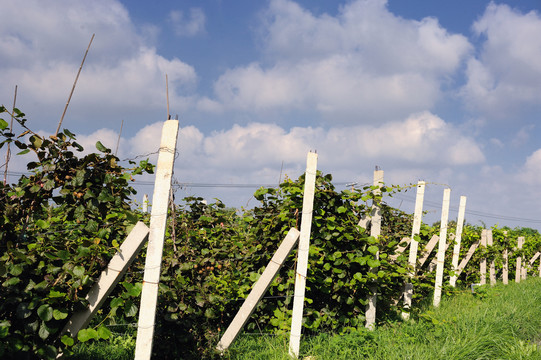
pixel 531 171
pixel 507 73
pixel 188 25
pixel 363 65
pixel 245 152
pixel 123 76
pixel 421 140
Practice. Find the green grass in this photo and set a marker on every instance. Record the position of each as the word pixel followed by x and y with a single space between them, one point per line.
pixel 116 348
pixel 503 322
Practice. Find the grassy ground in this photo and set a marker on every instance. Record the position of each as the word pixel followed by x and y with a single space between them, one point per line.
pixel 503 322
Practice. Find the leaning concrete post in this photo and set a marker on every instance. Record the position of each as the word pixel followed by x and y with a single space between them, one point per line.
pixel 158 219
pixel 465 261
pixel 258 290
pixel 532 260
pixel 518 271
pixel 483 264
pixel 108 279
pixel 442 246
pixel 375 231
pixel 414 245
pixel 302 256
pixel 434 240
pixel 458 238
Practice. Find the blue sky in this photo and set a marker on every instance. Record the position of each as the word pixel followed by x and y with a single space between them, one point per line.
pixel 443 91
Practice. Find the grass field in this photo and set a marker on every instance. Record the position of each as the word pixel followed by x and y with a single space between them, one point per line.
pixel 501 322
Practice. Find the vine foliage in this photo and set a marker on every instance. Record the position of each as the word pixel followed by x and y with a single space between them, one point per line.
pixel 59 226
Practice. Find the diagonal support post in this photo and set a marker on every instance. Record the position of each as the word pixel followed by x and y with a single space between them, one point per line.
pixel 258 290
pixel 109 278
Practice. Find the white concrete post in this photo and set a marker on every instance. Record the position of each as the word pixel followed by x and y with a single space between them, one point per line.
pixel 483 263
pixel 302 256
pixel 518 271
pixel 375 231
pixel 414 245
pixel 442 246
pixel 158 220
pixel 505 270
pixel 492 267
pixel 434 261
pixel 108 279
pixel 145 203
pixel 458 238
pixel 258 290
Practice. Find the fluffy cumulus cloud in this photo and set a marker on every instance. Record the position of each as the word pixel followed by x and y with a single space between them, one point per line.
pixel 531 170
pixel 422 140
pixel 363 61
pixel 122 70
pixel 506 75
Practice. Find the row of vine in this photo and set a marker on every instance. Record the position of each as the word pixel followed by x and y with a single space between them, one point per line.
pixel 60 226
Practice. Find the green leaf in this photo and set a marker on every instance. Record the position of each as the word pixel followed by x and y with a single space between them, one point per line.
pixel 16 269
pixel 69 134
pixel 49 185
pixel 44 331
pixel 372 263
pixel 116 302
pixel 102 148
pixel 79 213
pixel 36 141
pixel 3 124
pixel 373 249
pixel 341 209
pixel 104 333
pixel 87 334
pixel 92 226
pixel 77 146
pixel 4 328
pixel 11 282
pixel 23 311
pixel 26 151
pixel 79 178
pixel 79 271
pixel 105 196
pixel 59 314
pixel 45 312
pixel 136 289
pixel 42 224
pixel 67 340
pixel 56 294
pixel 130 309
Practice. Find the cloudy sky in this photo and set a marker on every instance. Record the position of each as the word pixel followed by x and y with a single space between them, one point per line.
pixel 443 91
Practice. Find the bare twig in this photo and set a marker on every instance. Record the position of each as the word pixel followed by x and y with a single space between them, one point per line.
pixel 119 133
pixel 73 88
pixel 8 152
pixel 167 94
